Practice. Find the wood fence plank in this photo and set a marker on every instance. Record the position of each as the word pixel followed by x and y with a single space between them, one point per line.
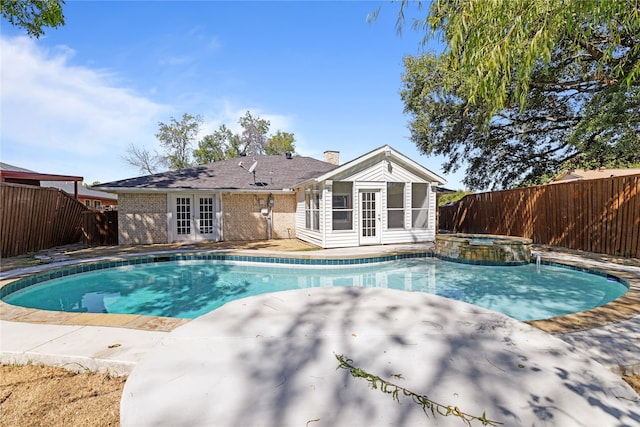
pixel 584 210
pixel 36 218
pixel 625 236
pixel 619 215
pixel 553 215
pixel 634 248
pixel 607 213
pixel 599 223
pixel 593 218
pixel 601 215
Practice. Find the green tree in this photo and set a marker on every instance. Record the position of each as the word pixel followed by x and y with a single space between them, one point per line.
pixel 33 15
pixel 525 88
pixel 177 137
pixel 452 197
pixel 280 143
pixel 253 140
pixel 220 145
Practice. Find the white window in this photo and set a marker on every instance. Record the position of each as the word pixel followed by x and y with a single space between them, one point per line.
pixel 419 205
pixel 342 205
pixel 183 215
pixel 97 204
pixel 206 215
pixel 312 209
pixel 395 204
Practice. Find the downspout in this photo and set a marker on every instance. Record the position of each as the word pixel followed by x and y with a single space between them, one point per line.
pixel 269 215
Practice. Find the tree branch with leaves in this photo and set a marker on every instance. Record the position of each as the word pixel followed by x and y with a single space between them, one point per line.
pixel 526 88
pixel 177 137
pixel 396 391
pixel 33 15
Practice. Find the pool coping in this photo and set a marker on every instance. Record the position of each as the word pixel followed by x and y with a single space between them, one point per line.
pixel 623 308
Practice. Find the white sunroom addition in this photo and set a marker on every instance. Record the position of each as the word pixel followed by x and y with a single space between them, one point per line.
pixel 382 197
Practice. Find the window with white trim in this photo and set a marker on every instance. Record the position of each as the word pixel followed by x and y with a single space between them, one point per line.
pixel 312 209
pixel 419 205
pixel 183 215
pixel 395 205
pixel 206 215
pixel 342 205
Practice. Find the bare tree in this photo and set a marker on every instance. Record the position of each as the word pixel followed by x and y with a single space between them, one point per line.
pixel 143 159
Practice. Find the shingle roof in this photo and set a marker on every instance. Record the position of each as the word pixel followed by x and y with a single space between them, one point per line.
pixel 271 173
pixel 68 187
pixel 582 174
pixel 8 171
pixel 8 167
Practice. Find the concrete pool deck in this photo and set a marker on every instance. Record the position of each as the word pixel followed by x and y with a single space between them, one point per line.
pixel 276 353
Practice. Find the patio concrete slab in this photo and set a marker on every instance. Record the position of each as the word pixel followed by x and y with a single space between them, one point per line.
pixel 616 345
pixel 78 348
pixel 270 360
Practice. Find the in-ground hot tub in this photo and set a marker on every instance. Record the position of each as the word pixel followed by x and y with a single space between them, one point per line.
pixel 484 249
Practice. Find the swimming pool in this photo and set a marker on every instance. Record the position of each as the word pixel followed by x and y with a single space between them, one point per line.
pixel 187 287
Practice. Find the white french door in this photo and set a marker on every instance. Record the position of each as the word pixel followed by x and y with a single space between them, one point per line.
pixel 370 217
pixel 196 217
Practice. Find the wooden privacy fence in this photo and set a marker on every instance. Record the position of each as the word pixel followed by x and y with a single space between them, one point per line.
pixel 601 215
pixel 36 218
pixel 100 228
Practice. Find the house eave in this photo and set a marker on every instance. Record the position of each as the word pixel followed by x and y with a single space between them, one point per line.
pixel 38 176
pixel 118 190
pixel 389 152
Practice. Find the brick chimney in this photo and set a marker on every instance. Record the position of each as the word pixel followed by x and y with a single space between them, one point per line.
pixel 332 157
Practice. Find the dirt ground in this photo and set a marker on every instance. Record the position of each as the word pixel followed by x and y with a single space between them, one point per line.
pixel 633 381
pixel 36 395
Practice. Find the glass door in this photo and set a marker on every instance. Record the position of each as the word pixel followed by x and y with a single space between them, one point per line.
pixel 196 217
pixel 369 217
pixel 206 223
pixel 183 218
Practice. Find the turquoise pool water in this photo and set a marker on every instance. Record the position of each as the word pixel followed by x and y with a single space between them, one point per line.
pixel 188 289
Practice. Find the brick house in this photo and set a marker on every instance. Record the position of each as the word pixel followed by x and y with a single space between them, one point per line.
pixel 381 197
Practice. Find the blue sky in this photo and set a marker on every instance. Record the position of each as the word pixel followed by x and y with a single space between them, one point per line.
pixel 73 100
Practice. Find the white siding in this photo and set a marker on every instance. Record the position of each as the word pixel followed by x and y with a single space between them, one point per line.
pixel 373 175
pixel 408 236
pixel 381 172
pixel 433 210
pixel 312 236
pixel 339 238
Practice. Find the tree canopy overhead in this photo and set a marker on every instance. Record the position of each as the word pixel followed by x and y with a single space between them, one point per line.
pixel 33 15
pixel 525 88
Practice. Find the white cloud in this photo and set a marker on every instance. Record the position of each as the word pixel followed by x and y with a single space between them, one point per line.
pixel 58 117
pixel 49 105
